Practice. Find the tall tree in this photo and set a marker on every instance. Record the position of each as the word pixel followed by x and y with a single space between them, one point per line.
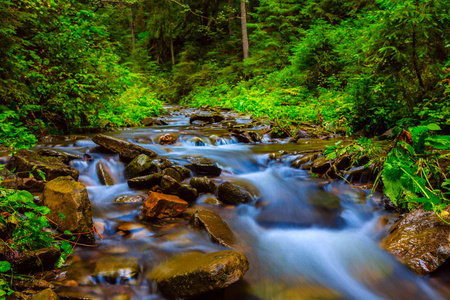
pixel 244 29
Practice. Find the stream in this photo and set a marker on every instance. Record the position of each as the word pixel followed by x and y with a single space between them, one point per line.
pixel 295 249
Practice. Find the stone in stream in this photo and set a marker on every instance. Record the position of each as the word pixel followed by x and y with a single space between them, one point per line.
pixel 105 175
pixel 117 270
pixel 127 155
pixel 117 145
pixel 241 136
pixel 309 157
pixel 36 260
pixel 230 193
pixel 323 200
pixel 185 172
pixel 171 186
pixel 203 185
pixel 361 174
pixel 255 136
pixel 126 199
pixel 26 162
pixel 47 294
pixel 208 118
pixel 420 240
pixel 140 166
pixel 167 139
pixel 66 157
pixel 159 206
pixel 193 274
pixel 172 172
pixel 343 162
pixel 145 182
pixel 321 165
pixel 70 198
pixel 217 229
pixel 152 122
pixel 204 166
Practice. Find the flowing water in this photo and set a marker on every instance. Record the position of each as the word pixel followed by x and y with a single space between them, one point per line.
pixel 296 250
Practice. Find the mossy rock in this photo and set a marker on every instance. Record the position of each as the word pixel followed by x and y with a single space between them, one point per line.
pixel 192 274
pixel 203 185
pixel 140 166
pixel 116 145
pixel 230 193
pixel 217 229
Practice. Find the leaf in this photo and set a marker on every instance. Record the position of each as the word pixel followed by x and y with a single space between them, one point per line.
pixel 61 215
pixel 4 266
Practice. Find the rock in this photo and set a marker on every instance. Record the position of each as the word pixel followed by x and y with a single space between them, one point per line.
pixel 197 141
pixel 25 162
pixel 152 122
pixel 195 273
pixel 168 139
pixel 47 294
pixel 255 136
pixel 204 166
pixel 127 155
pixel 361 174
pixel 65 157
pixel 117 270
pixel 162 163
pixel 145 182
pixel 104 174
pixel 212 200
pixel 185 172
pixel 323 200
pixel 208 118
pixel 241 136
pixel 172 187
pixel 28 184
pixel 217 229
pixel 117 145
pixel 229 123
pixel 232 194
pixel 299 134
pixel 159 206
pixel 203 185
pixel 126 199
pixel 172 172
pixel 304 159
pixel 68 197
pixel 321 165
pixel 420 240
pixel 343 162
pixel 35 260
pixel 140 166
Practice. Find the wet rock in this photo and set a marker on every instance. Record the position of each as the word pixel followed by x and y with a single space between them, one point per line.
pixel 241 136
pixel 145 182
pixel 172 187
pixel 230 193
pixel 117 269
pixel 299 134
pixel 195 273
pixel 309 157
pixel 28 184
pixel 343 162
pixel 309 292
pixel 321 165
pixel 65 157
pixel 323 200
pixel 208 118
pixel 216 228
pixel 204 166
pixel 203 185
pixel 153 122
pixel 36 260
pixel 159 206
pixel 117 145
pixel 212 200
pixel 126 199
pixel 25 162
pixel 361 174
pixel 229 123
pixel 197 141
pixel 162 163
pixel 255 136
pixel 140 166
pixel 127 155
pixel 172 172
pixel 105 175
pixel 47 294
pixel 420 240
pixel 185 172
pixel 68 197
pixel 168 139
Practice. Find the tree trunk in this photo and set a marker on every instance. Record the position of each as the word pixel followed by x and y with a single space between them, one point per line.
pixel 244 29
pixel 230 16
pixel 133 38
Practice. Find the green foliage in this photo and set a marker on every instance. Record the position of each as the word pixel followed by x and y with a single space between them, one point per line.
pixel 13 133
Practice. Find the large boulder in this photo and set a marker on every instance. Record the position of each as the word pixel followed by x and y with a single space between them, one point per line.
pixel 140 166
pixel 203 185
pixel 216 228
pixel 420 240
pixel 204 166
pixel 68 197
pixel 159 206
pixel 117 145
pixel 195 273
pixel 230 193
pixel 26 162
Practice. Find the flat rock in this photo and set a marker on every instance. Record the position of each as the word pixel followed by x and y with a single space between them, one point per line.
pixel 195 273
pixel 159 206
pixel 26 162
pixel 70 198
pixel 117 145
pixel 420 240
pixel 126 199
pixel 230 193
pixel 145 182
pixel 216 228
pixel 204 166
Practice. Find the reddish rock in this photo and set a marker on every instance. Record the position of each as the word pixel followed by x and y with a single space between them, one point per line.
pixel 168 138
pixel 159 206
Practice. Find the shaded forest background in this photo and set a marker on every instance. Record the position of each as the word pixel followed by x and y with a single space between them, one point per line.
pixel 362 66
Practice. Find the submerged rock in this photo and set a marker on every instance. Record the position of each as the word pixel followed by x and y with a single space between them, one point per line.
pixel 420 240
pixel 204 166
pixel 70 198
pixel 195 273
pixel 324 200
pixel 26 162
pixel 230 193
pixel 159 206
pixel 117 270
pixel 126 199
pixel 203 185
pixel 217 229
pixel 117 145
